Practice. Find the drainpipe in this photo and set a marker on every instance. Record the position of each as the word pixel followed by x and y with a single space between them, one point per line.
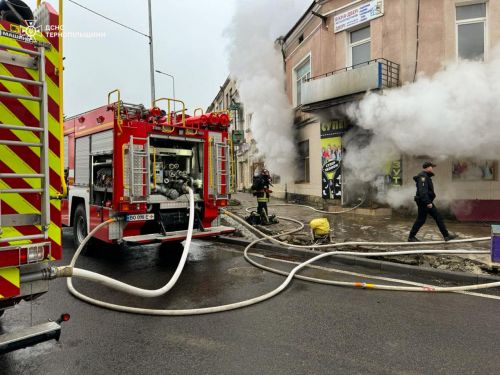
pixel 418 41
pixel 281 42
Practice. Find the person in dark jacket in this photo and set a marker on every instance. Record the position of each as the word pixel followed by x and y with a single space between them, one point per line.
pixel 261 189
pixel 425 202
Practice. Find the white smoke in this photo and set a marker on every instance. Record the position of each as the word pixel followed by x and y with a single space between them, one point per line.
pixel 257 65
pixel 453 114
pixel 398 197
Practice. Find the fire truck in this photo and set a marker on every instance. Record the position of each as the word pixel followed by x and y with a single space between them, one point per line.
pixel 129 161
pixel 31 178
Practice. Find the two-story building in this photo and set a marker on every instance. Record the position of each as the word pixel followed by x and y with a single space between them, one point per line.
pixel 245 152
pixel 340 49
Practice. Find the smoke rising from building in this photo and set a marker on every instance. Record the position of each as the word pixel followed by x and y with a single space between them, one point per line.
pixel 257 65
pixel 453 114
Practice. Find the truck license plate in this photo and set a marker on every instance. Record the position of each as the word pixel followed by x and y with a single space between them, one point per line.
pixel 140 217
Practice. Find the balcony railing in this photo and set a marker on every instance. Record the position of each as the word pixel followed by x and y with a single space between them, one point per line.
pixel 370 75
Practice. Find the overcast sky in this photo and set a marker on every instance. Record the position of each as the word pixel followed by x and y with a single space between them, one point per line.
pixel 188 42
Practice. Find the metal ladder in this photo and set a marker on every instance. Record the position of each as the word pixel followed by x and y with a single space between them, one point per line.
pixel 232 166
pixel 139 170
pixel 221 170
pixel 34 59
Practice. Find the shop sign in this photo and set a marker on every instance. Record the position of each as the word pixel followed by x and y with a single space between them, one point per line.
pixel 238 137
pixel 333 128
pixel 358 15
pixel 396 173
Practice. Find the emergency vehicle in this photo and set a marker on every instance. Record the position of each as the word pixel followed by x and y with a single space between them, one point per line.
pixel 135 163
pixel 31 178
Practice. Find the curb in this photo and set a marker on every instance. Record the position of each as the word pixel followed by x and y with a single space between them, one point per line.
pixel 372 263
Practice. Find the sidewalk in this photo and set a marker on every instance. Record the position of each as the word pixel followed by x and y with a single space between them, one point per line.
pixel 395 228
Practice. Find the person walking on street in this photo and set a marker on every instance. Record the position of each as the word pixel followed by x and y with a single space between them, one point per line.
pixel 425 202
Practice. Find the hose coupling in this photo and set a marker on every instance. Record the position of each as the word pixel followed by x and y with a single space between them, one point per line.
pixel 65 271
pixel 49 273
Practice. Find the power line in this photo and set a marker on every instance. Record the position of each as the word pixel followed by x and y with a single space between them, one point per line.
pixel 109 19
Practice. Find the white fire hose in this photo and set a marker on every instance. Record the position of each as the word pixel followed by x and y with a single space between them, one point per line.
pixel 69 271
pixel 423 288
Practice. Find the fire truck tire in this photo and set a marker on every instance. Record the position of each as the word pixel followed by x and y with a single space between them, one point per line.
pixel 80 229
pixel 1 313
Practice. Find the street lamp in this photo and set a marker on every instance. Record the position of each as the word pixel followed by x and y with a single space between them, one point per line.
pixel 173 81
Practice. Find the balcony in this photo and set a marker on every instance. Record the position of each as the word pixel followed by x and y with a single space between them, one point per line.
pixel 372 75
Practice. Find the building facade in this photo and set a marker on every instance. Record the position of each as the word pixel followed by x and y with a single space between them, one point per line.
pixel 245 151
pixel 340 49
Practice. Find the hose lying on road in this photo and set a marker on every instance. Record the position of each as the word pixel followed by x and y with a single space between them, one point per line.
pixel 118 285
pixel 68 271
pixel 356 274
pixel 344 244
pixel 364 254
pixel 361 201
pixel 123 287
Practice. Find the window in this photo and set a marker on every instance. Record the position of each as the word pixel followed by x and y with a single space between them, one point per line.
pixel 303 172
pixel 359 46
pixel 471 26
pixel 302 74
pixel 474 170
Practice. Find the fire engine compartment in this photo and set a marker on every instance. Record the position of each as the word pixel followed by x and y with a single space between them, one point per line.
pixel 172 165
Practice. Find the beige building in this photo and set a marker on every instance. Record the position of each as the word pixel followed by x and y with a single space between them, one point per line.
pixel 339 49
pixel 246 161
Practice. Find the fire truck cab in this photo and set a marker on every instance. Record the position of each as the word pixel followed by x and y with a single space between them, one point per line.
pixel 128 161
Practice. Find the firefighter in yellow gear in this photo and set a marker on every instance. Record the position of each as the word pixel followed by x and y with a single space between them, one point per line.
pixel 260 189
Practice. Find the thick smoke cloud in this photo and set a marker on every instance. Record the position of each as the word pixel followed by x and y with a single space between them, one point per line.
pixel 257 65
pixel 453 114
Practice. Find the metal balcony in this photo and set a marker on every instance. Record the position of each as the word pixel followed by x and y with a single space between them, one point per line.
pixel 372 75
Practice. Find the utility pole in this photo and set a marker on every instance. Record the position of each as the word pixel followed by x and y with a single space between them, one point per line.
pixel 151 55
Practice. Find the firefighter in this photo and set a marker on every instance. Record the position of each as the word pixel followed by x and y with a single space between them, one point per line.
pixel 425 202
pixel 260 189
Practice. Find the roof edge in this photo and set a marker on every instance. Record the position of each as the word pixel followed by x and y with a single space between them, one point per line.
pixel 302 18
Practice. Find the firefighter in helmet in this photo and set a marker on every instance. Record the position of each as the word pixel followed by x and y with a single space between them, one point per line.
pixel 260 189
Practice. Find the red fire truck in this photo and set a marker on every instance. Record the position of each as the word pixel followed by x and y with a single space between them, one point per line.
pixel 136 163
pixel 31 173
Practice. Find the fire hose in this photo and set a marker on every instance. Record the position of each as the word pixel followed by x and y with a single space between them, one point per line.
pixel 71 270
pixel 423 288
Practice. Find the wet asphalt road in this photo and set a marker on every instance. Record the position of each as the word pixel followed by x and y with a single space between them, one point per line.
pixel 307 329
